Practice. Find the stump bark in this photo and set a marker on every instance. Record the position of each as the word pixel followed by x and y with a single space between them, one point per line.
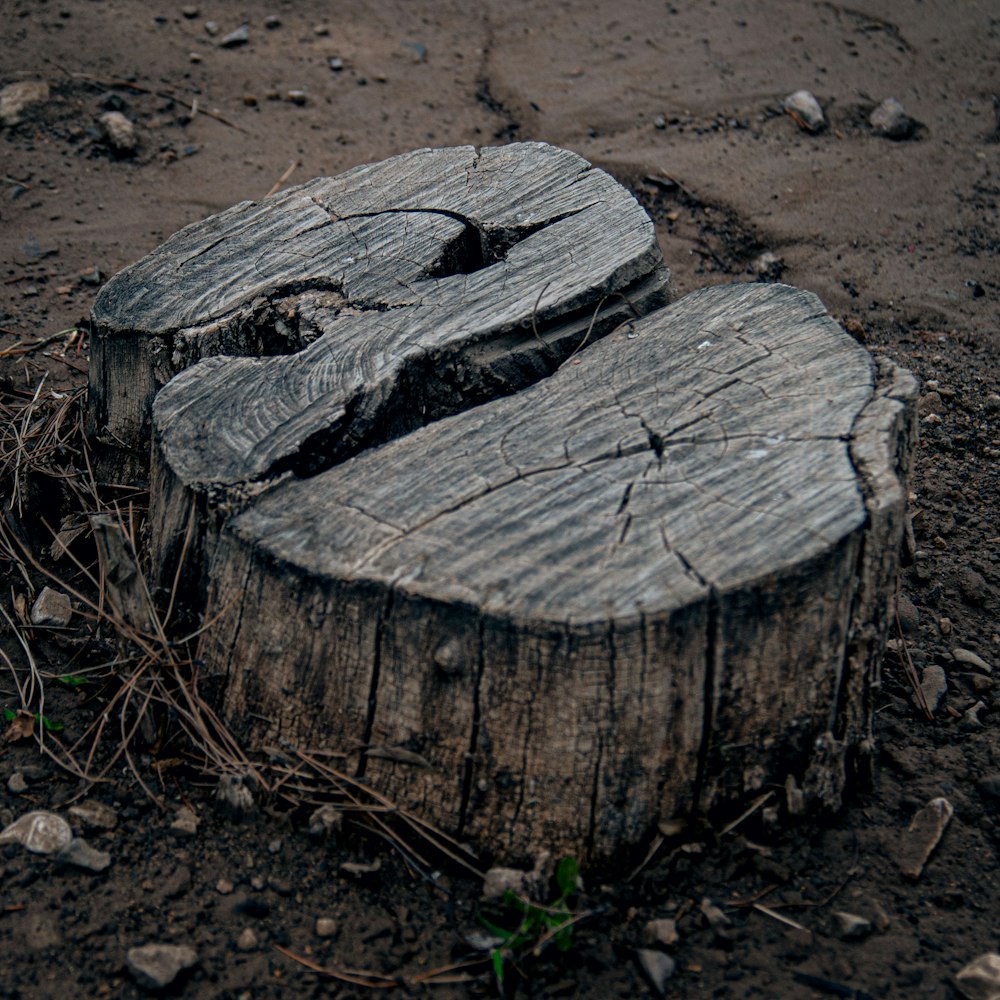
pixel 544 586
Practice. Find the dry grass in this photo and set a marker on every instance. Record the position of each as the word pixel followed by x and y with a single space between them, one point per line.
pixel 149 701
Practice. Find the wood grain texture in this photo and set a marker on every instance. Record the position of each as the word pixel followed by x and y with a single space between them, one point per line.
pixel 388 266
pixel 648 584
pixel 548 563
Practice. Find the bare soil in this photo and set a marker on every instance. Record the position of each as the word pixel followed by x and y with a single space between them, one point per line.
pixel 682 102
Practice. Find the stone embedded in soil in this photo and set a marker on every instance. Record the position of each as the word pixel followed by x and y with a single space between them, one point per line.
pixel 918 841
pixel 16 98
pixel 500 880
pixel 970 717
pixel 52 607
pixel 81 854
pixel 185 823
pixel 95 815
pixel 805 111
pixel 658 967
pixel 325 927
pixel 247 940
pixel 662 932
pixel 933 686
pixel 235 38
pixel 971 659
pixel 980 979
pixel 38 832
pixel 908 615
pixel 156 966
pixel 17 783
pixel 889 119
pixel 118 132
pixel 224 887
pixel 850 926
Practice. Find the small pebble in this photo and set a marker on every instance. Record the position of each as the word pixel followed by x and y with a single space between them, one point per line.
pixel 156 966
pixel 211 28
pixel 185 823
pixel 322 30
pixel 16 783
pixel 194 57
pixel 94 814
pixel 247 940
pixel 918 841
pixel 258 882
pixel 662 932
pixel 658 967
pixel 933 686
pixel 336 63
pixel 325 927
pixel 224 887
pixel 190 12
pixel 236 38
pixel 272 21
pixel 889 119
pixel 851 927
pixel 38 832
pixel 980 979
pixel 52 607
pixel 971 659
pixel 79 853
pixel 805 111
pixel 297 97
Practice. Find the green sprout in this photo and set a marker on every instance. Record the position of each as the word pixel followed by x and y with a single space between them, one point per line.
pixel 538 924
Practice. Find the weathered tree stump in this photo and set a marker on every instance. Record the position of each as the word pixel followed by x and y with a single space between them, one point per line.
pixel 544 593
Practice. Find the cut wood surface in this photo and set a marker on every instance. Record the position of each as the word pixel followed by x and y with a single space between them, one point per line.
pixel 547 590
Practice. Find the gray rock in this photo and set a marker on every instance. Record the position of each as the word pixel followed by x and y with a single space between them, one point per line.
pixel 980 979
pixel 325 927
pixel 658 968
pixel 94 815
pixel 78 852
pixel 52 607
pixel 933 685
pixel 17 783
pixel 38 832
pixel 272 21
pixel 190 12
pixel 922 835
pixel 247 940
pixel 211 28
pixel 499 880
pixel 970 717
pixel 185 823
pixel 889 119
pixel 235 38
pixel 662 932
pixel 970 659
pixel 930 402
pixel 156 966
pixel 119 133
pixel 16 98
pixel 336 64
pixel 805 111
pixel 909 616
pixel 850 927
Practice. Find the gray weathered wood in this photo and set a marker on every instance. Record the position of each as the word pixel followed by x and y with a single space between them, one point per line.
pixel 430 258
pixel 651 583
pixel 544 588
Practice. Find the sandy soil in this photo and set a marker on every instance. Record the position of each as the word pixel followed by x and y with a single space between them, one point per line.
pixel 682 102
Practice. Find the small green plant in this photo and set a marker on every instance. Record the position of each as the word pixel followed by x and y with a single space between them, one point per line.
pixel 49 725
pixel 538 924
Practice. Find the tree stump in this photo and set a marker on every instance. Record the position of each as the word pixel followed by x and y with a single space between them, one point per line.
pixel 546 580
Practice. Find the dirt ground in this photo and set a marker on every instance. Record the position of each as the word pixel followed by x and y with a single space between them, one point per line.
pixel 681 102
